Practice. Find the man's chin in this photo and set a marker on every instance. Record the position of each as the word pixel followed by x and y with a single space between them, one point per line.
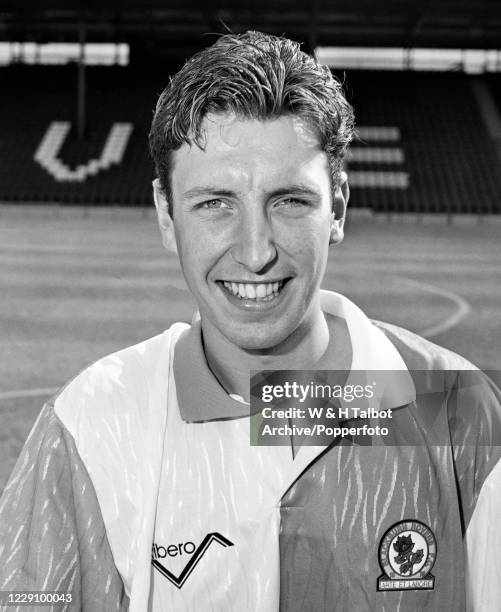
pixel 257 340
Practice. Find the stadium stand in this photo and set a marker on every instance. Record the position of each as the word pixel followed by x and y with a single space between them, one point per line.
pixel 444 149
pixel 494 83
pixel 422 145
pixel 43 160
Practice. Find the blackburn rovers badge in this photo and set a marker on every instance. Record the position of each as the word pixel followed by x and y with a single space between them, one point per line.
pixel 407 553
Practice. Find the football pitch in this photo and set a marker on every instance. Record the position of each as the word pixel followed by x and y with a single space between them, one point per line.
pixel 76 285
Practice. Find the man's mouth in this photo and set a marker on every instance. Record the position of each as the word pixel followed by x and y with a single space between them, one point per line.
pixel 260 292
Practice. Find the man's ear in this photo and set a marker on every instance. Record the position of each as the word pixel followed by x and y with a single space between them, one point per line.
pixel 165 222
pixel 341 197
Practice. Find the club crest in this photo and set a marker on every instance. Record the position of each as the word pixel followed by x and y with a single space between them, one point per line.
pixel 407 553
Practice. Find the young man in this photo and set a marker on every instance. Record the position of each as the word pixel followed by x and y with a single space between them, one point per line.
pixel 138 488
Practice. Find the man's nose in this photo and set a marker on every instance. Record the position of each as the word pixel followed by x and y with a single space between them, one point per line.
pixel 254 245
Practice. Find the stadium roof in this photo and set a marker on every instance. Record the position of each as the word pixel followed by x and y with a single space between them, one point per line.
pixel 404 23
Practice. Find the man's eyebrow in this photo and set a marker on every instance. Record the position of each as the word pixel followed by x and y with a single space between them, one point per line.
pixel 206 190
pixel 296 189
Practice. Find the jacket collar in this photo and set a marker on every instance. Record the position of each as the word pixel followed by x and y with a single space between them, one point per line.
pixel 201 397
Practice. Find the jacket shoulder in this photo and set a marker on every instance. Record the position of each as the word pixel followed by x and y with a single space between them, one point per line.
pixel 123 375
pixel 419 353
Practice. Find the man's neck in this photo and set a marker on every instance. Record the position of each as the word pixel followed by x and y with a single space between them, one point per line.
pixel 325 344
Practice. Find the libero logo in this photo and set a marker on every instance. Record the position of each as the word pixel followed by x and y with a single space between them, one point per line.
pixel 188 549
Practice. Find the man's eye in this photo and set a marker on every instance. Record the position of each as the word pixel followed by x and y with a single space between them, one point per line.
pixel 214 204
pixel 292 203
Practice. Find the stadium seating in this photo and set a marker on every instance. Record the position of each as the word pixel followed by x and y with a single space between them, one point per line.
pixel 494 83
pixel 42 160
pixel 449 159
pixel 422 145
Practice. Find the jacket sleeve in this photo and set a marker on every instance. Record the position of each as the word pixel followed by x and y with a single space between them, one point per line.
pixel 52 535
pixel 476 437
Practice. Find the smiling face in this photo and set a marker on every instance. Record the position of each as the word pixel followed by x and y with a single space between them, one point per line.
pixel 253 217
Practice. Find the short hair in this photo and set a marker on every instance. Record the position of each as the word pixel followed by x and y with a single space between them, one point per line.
pixel 255 76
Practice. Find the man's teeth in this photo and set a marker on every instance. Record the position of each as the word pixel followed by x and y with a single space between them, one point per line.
pixel 255 291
